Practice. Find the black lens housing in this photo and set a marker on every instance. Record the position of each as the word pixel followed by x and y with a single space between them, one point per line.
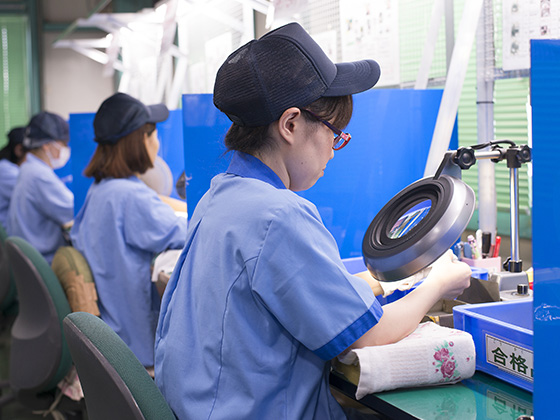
pixel 452 206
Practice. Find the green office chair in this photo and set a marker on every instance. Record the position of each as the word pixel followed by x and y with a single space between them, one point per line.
pixel 115 384
pixel 8 302
pixel 39 355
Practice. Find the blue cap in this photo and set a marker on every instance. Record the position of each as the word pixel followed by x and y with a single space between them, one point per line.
pixel 121 114
pixel 44 128
pixel 282 69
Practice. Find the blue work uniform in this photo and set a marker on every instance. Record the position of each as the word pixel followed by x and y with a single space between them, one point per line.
pixel 40 205
pixel 8 176
pixel 119 229
pixel 257 305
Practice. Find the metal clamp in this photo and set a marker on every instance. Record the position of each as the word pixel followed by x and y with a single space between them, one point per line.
pixel 515 156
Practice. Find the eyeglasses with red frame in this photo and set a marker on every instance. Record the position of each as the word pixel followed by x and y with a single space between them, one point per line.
pixel 341 138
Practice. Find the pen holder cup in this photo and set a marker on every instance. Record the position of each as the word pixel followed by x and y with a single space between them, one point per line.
pixel 492 264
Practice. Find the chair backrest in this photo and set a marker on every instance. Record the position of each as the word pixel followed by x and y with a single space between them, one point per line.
pixel 76 278
pixel 7 285
pixel 115 383
pixel 39 356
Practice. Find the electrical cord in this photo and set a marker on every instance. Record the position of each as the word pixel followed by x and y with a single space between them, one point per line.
pixel 493 144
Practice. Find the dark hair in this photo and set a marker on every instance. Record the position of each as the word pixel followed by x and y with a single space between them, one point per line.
pixel 337 110
pixel 15 151
pixel 9 153
pixel 122 159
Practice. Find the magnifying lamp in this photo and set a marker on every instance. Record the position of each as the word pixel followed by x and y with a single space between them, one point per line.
pixel 159 177
pixel 421 222
pixel 417 226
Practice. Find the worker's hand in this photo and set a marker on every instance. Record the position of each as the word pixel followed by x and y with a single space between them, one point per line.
pixel 68 225
pixel 449 276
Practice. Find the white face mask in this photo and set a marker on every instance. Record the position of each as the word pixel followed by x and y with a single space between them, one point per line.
pixel 63 156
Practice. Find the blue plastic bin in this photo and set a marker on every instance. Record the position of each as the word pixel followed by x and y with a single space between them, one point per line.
pixel 479 273
pixel 354 265
pixel 503 338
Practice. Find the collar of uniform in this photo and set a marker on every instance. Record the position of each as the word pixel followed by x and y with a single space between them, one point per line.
pixel 31 158
pixel 248 166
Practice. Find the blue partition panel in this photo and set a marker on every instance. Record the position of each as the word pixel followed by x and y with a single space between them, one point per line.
pixel 83 146
pixel 170 135
pixel 391 133
pixel 204 128
pixel 545 90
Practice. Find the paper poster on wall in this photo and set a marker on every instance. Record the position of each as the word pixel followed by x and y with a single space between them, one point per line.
pixel 524 20
pixel 286 9
pixel 216 51
pixel 370 29
pixel 197 78
pixel 139 56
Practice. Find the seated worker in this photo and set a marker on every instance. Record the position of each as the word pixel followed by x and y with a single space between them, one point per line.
pixel 41 204
pixel 11 157
pixel 123 223
pixel 260 300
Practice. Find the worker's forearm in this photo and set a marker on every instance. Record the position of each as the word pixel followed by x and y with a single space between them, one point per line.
pixel 447 279
pixel 401 317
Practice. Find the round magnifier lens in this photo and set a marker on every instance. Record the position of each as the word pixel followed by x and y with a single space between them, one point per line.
pixel 417 226
pixel 411 218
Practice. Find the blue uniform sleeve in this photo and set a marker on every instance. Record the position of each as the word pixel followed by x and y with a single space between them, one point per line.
pixel 53 199
pixel 8 179
pixel 151 224
pixel 302 281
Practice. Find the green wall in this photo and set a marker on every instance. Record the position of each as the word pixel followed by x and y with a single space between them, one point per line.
pixel 510 101
pixel 14 91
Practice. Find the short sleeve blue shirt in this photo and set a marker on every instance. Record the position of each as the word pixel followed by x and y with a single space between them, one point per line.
pixel 257 305
pixel 40 205
pixel 119 229
pixel 8 176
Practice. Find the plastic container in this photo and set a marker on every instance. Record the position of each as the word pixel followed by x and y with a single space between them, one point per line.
pixel 503 338
pixel 491 264
pixel 479 273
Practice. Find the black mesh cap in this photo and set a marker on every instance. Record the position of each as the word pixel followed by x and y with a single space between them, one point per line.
pixel 284 68
pixel 121 114
pixel 16 136
pixel 43 128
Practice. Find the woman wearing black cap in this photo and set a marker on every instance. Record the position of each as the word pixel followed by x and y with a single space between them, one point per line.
pixel 123 223
pixel 11 157
pixel 260 301
pixel 41 204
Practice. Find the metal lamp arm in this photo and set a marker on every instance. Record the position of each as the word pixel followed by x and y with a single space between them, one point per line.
pixel 465 157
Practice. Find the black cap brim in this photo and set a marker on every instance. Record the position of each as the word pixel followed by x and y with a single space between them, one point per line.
pixel 158 113
pixel 354 77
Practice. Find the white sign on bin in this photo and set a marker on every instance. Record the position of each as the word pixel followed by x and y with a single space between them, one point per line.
pixel 510 357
